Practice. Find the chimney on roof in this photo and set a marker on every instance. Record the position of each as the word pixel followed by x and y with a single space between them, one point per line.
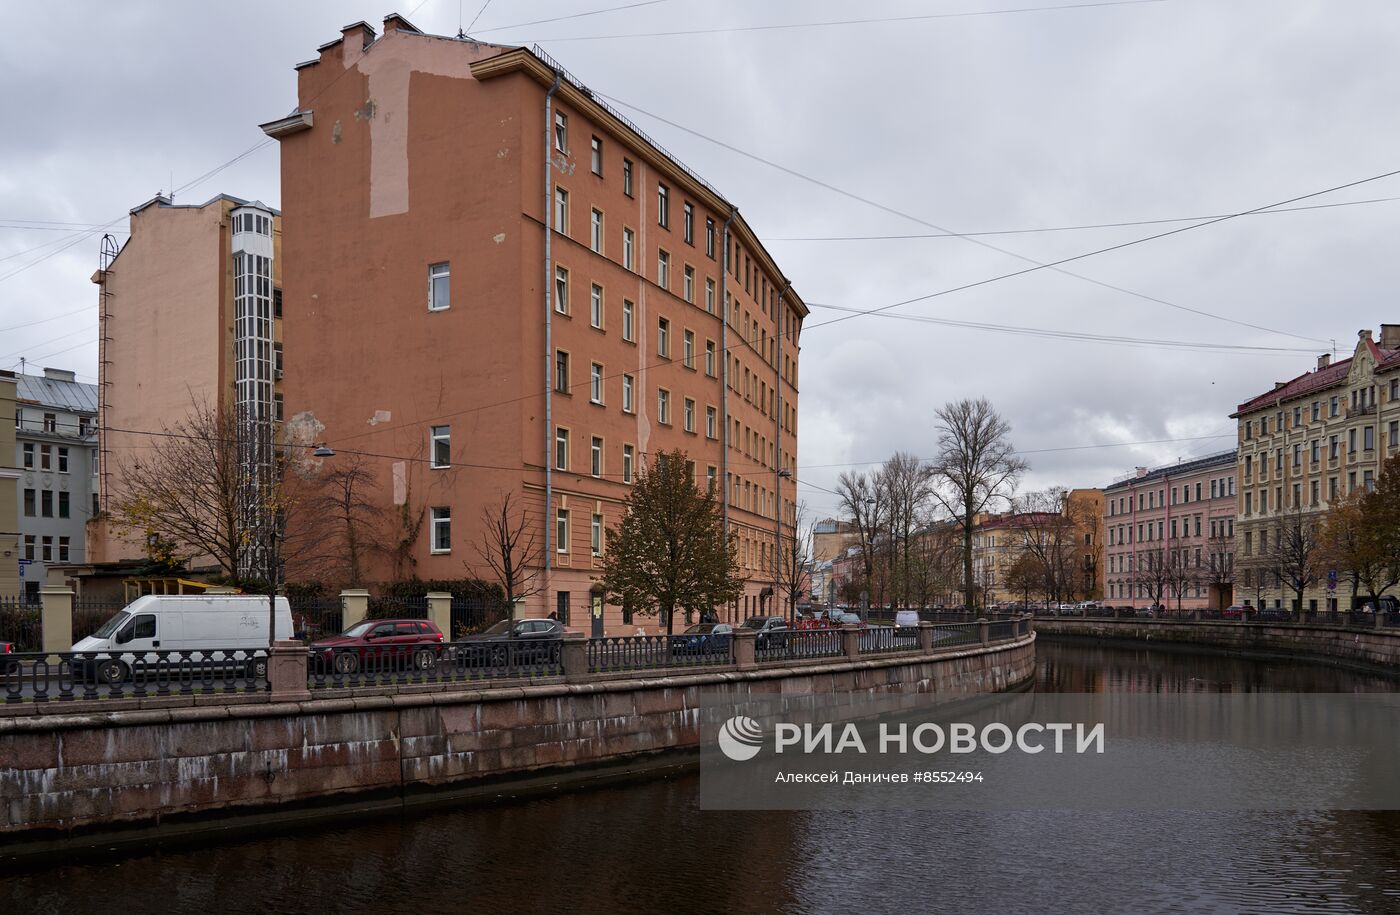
pixel 1142 471
pixel 1279 384
pixel 395 22
pixel 59 374
pixel 1324 360
pixel 1390 336
pixel 1363 334
pixel 361 31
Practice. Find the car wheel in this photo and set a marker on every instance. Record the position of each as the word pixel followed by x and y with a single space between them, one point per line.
pixel 346 663
pixel 423 659
pixel 500 656
pixel 111 672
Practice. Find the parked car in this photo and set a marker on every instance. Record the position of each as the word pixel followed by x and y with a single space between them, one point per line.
pixel 515 642
pixel 772 631
pixel 380 643
pixel 849 619
pixel 1234 612
pixel 1146 612
pixel 7 648
pixel 204 628
pixel 907 619
pixel 703 638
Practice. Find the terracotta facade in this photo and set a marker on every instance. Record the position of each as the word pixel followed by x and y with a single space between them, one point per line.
pixel 438 330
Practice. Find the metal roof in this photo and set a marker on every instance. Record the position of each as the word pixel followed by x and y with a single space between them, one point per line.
pixel 1155 474
pixel 74 396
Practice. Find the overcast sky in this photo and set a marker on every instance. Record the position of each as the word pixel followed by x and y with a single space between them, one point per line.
pixel 988 123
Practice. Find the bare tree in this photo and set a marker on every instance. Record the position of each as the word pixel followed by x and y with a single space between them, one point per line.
pixel 862 504
pixel 1154 574
pixel 1182 576
pixel 906 484
pixel 934 562
pixel 1297 553
pixel 338 527
pixel 190 493
pixel 510 549
pixel 976 466
pixel 1050 524
pixel 1219 572
pixel 794 559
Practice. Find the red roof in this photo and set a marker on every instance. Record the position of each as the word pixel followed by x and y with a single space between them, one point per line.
pixel 1308 382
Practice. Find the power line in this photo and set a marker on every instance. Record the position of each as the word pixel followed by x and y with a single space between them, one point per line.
pixel 1078 336
pixel 976 241
pixel 65 314
pixel 1118 247
pixel 1154 441
pixel 1101 225
pixel 611 9
pixel 844 22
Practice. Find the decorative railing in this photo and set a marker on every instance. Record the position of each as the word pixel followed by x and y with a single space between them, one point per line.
pixel 451 662
pixel 651 652
pixel 800 644
pixel 66 676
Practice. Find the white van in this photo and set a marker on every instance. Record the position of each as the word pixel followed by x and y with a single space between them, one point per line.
pixel 208 626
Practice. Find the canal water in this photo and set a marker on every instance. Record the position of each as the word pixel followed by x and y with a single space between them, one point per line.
pixel 645 847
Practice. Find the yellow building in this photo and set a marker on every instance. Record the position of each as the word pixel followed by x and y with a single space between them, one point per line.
pixel 9 488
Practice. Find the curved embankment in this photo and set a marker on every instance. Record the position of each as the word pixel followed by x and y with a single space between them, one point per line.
pixel 139 774
pixel 1368 649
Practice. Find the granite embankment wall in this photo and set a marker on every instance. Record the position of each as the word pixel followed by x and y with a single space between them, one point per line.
pixel 1370 648
pixel 71 779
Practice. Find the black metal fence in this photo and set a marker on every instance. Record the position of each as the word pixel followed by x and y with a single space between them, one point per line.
pixel 66 676
pixel 450 662
pixel 954 635
pixel 471 615
pixel 314 619
pixel 20 624
pixel 89 614
pixel 878 639
pixel 654 652
pixel 803 643
pixel 394 607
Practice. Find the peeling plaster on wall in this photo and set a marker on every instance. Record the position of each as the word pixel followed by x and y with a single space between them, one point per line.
pixel 499 237
pixel 400 482
pixel 563 165
pixel 366 111
pixel 380 416
pixel 390 68
pixel 335 132
pixel 304 429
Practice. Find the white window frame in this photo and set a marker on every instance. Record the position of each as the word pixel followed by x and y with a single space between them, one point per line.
pixel 561 210
pixel 595 305
pixel 439 435
pixel 596 534
pixel 689 415
pixel 629 320
pixel 663 406
pixel 663 205
pixel 663 337
pixel 595 456
pixel 440 516
pixel 439 271
pixel 688 284
pixel 688 348
pixel 561 289
pixel 595 383
pixel 561 530
pixel 595 230
pixel 629 460
pixel 561 448
pixel 663 269
pixel 561 132
pixel 596 156
pixel 629 393
pixel 709 295
pixel 629 249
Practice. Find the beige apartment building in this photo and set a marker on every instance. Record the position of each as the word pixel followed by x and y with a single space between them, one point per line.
pixel 1306 445
pixel 1070 540
pixel 497 285
pixel 190 310
pixel 9 492
pixel 1169 535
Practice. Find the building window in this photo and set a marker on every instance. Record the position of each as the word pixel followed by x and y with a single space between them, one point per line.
pixel 663 270
pixel 597 162
pixel 689 415
pixel 710 422
pixel 595 305
pixel 710 237
pixel 561 533
pixel 595 231
pixel 439 286
pixel 442 529
pixel 561 290
pixel 595 462
pixel 64 506
pixel 629 249
pixel 595 383
pixel 688 223
pixel 710 358
pixel 663 407
pixel 627 177
pixel 30 503
pixel 663 337
pixel 1334 405
pixel 51 422
pixel 277 303
pixel 688 348
pixel 561 132
pixel 1394 434
pixel 29 541
pixel 709 295
pixel 440 442
pixel 46 457
pixel 46 547
pixel 663 206
pixel 46 503
pixel 627 402
pixel 710 478
pixel 596 535
pixel 1368 480
pixel 688 284
pixel 561 211
pixel 63 549
pixel 561 448
pixel 561 371
pixel 628 455
pixel 1368 438
pixel 629 326
pixel 28 456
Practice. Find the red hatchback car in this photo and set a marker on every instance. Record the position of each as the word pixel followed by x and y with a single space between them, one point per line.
pixel 379 644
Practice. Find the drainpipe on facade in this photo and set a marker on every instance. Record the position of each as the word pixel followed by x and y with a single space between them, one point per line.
pixel 724 377
pixel 778 554
pixel 549 334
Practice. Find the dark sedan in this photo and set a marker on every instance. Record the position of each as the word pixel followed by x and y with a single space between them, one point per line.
pixel 772 631
pixel 513 642
pixel 703 638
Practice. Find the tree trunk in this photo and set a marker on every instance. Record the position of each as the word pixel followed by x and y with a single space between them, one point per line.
pixel 967 555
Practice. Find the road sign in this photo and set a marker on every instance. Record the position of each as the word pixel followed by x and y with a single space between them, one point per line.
pixel 1331 579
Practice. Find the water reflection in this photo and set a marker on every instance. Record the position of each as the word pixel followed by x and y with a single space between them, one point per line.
pixel 645 847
